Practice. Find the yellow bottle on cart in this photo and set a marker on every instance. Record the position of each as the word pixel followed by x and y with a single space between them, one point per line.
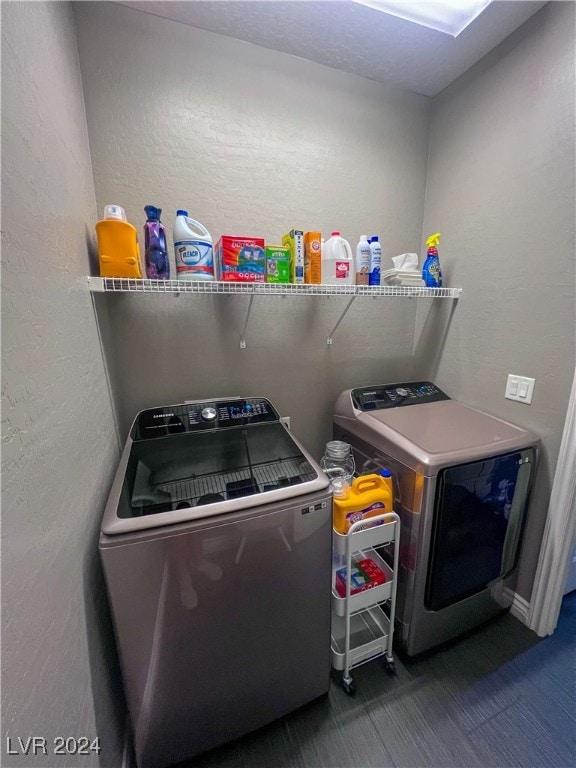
pixel 368 496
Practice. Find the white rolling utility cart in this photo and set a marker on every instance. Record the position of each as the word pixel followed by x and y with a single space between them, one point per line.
pixel 361 630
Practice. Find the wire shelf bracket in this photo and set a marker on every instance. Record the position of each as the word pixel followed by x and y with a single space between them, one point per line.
pixel 246 319
pixel 342 316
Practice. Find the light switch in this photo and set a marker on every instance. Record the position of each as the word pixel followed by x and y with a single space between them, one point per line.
pixel 519 388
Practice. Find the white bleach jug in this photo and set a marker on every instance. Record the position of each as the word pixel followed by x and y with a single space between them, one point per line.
pixel 193 250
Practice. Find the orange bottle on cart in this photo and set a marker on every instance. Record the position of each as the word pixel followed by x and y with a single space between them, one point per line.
pixel 368 496
pixel 118 250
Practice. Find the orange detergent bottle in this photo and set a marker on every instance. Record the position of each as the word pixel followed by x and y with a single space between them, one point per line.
pixel 368 496
pixel 118 249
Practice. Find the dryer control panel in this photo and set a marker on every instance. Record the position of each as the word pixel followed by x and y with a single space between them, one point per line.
pixel 396 395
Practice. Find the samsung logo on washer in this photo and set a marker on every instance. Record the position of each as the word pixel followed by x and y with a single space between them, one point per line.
pixel 162 415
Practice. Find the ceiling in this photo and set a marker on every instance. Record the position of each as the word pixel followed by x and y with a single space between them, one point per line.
pixel 354 38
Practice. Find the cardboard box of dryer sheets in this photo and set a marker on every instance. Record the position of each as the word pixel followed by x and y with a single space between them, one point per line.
pixel 241 259
pixel 295 241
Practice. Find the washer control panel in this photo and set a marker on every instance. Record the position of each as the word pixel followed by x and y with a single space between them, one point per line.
pixel 199 417
pixel 396 395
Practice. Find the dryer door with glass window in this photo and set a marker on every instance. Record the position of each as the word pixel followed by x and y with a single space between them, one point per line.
pixel 479 516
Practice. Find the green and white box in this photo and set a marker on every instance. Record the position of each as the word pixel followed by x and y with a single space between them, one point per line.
pixel 277 264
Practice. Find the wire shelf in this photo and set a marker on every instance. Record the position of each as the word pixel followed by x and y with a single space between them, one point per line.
pixel 132 285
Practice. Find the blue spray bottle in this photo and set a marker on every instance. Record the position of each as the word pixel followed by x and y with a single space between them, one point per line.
pixel 431 272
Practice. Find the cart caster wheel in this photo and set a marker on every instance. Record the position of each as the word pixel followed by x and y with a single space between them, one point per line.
pixel 391 667
pixel 349 687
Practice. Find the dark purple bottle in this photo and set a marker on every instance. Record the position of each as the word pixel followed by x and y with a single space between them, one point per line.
pixel 155 251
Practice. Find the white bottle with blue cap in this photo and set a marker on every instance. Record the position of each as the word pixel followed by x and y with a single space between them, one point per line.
pixel 193 251
pixel 375 262
pixel 363 256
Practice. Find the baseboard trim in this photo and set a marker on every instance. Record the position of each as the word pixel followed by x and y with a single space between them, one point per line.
pixel 519 607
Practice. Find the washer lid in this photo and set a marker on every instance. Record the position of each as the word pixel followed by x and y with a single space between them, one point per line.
pixel 435 435
pixel 191 461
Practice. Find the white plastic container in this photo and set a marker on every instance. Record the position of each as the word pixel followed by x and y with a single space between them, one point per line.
pixel 363 256
pixel 375 262
pixel 193 251
pixel 337 261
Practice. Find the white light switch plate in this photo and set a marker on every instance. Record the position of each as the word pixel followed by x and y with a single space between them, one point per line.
pixel 519 388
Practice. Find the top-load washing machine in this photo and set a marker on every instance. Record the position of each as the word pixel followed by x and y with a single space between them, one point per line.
pixel 216 548
pixel 462 482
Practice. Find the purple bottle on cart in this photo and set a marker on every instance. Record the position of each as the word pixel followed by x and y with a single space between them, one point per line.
pixel 155 250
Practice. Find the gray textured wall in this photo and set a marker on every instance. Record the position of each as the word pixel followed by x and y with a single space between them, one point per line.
pixel 58 441
pixel 251 142
pixel 501 188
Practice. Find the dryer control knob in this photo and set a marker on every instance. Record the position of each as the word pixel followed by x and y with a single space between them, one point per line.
pixel 402 392
pixel 209 414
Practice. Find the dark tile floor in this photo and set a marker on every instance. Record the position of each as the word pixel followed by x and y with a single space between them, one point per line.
pixel 498 698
